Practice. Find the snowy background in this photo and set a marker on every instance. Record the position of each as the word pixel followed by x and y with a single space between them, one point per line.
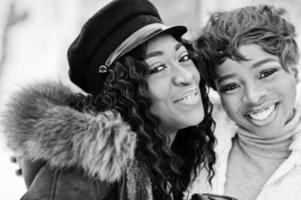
pixel 35 34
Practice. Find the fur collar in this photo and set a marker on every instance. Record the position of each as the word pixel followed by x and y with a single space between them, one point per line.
pixel 40 125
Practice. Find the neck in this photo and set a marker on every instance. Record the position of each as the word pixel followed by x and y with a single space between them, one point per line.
pixel 170 133
pixel 171 138
pixel 267 146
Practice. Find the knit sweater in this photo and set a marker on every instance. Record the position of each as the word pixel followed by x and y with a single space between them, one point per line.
pixel 261 156
pixel 282 183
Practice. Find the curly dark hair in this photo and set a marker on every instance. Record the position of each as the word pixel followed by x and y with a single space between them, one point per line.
pixel 225 32
pixel 126 91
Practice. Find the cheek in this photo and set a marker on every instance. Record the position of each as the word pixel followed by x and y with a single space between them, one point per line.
pixel 196 75
pixel 160 109
pixel 159 88
pixel 289 93
pixel 230 105
pixel 159 93
pixel 285 88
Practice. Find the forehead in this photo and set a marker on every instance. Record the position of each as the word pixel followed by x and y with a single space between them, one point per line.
pixel 160 42
pixel 255 57
pixel 253 52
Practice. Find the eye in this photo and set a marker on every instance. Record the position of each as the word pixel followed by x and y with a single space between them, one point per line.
pixel 157 68
pixel 228 87
pixel 185 58
pixel 267 73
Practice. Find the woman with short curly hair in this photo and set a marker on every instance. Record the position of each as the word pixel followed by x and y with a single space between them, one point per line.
pixel 250 57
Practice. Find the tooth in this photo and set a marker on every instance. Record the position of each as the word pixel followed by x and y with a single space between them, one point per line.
pixel 262 114
pixel 188 98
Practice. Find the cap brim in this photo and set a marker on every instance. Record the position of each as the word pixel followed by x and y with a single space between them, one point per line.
pixel 141 37
pixel 175 31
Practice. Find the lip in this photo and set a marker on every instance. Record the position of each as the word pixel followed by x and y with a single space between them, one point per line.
pixel 267 121
pixel 260 108
pixel 186 93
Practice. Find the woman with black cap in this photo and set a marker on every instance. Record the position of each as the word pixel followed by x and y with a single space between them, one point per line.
pixel 145 130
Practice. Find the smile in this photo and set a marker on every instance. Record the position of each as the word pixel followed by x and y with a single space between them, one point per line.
pixel 189 99
pixel 263 113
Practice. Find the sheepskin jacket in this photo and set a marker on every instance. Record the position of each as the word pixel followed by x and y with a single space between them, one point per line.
pixel 66 154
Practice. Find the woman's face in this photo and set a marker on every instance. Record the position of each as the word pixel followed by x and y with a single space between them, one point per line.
pixel 258 94
pixel 173 82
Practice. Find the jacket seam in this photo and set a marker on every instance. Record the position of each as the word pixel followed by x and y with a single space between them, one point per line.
pixel 54 184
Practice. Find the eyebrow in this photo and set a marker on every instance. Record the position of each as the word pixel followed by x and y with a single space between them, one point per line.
pixel 225 77
pixel 159 53
pixel 255 65
pixel 178 46
pixel 261 62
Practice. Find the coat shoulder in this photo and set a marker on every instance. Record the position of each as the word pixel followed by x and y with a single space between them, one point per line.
pixel 41 123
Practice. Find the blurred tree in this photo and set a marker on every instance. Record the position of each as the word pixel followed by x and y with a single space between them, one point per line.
pixel 9 19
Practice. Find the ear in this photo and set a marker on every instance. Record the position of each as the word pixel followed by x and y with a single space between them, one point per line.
pixel 295 72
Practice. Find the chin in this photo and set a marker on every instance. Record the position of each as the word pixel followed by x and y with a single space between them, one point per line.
pixel 196 121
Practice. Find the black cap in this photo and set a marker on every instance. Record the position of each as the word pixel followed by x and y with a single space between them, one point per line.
pixel 111 32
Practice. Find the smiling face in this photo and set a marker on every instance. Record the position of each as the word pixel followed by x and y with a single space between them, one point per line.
pixel 258 94
pixel 174 84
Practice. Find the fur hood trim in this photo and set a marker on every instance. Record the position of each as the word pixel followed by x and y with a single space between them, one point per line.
pixel 40 125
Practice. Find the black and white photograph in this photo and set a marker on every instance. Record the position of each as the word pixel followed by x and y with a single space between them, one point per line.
pixel 150 100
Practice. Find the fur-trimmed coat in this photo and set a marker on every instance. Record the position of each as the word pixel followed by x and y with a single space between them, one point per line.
pixel 66 154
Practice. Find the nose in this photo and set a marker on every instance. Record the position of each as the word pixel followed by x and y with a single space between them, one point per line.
pixel 254 92
pixel 182 75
